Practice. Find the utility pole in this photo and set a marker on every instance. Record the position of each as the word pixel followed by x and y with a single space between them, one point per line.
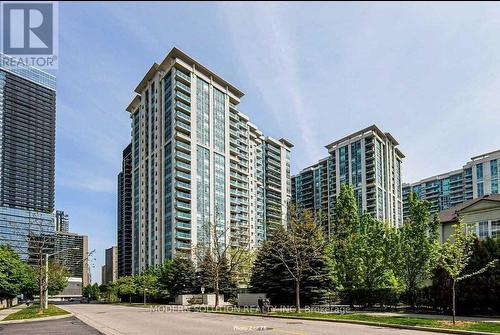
pixel 44 301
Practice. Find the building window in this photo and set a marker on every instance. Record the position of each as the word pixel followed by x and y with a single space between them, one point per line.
pixel 203 194
pixel 495 228
pixel 480 189
pixel 483 229
pixel 202 112
pixel 219 194
pixel 344 164
pixel 219 120
pixel 356 163
pixel 494 176
pixel 479 171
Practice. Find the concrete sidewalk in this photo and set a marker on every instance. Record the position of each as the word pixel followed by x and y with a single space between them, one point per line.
pixel 7 311
pixel 433 316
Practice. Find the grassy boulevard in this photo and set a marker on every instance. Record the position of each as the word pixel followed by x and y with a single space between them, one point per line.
pixel 32 312
pixel 478 326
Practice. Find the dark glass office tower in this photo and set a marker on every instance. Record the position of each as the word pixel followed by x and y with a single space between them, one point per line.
pixel 27 137
pixel 125 214
pixel 27 155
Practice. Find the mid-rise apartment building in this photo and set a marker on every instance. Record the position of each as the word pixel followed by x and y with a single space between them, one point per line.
pixel 476 178
pixel 370 162
pixel 199 165
pixel 71 251
pixel 110 267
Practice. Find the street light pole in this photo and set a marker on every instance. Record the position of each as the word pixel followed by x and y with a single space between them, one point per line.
pixel 46 284
pixel 45 302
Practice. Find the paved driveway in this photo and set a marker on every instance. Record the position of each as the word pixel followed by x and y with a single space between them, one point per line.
pixel 119 320
pixel 66 326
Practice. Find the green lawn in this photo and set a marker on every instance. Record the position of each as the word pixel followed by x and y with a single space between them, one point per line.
pixel 32 312
pixel 490 327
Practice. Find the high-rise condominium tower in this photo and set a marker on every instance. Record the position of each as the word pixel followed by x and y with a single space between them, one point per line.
pixel 198 163
pixel 370 162
pixel 27 154
pixel 124 216
pixel 476 178
pixel 61 221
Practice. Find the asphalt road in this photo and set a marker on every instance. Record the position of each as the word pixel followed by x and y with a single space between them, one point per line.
pixel 66 326
pixel 119 320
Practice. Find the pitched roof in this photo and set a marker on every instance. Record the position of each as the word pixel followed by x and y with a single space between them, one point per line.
pixel 451 214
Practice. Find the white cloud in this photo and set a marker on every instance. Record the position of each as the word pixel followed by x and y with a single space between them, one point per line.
pixel 261 37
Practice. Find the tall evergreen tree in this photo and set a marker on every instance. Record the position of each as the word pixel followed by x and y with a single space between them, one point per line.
pixel 177 276
pixel 295 259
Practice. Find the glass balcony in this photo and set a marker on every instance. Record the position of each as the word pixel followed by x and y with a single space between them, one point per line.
pixel 183 97
pixel 183 106
pixel 183 235
pixel 182 75
pixel 182 175
pixel 182 245
pixel 183 156
pixel 183 87
pixel 182 225
pixel 183 166
pixel 183 116
pixel 183 145
pixel 183 195
pixel 183 216
pixel 183 205
pixel 183 185
pixel 183 127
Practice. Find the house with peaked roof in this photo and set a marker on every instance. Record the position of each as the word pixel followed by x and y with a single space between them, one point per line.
pixel 481 216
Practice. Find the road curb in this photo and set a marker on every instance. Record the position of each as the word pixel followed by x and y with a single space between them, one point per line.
pixel 102 329
pixel 365 323
pixel 37 319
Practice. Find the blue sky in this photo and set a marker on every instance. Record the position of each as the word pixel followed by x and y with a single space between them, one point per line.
pixel 312 73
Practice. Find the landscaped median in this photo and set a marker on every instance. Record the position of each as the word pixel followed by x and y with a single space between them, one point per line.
pixel 33 312
pixel 461 327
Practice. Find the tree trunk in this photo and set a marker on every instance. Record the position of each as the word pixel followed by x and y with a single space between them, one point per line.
pixel 217 290
pixel 453 299
pixel 41 298
pixel 130 298
pixel 297 296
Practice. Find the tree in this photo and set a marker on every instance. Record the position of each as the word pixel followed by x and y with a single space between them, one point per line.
pixel 14 273
pixel 416 248
pixel 91 291
pixel 373 251
pixel 241 265
pixel 147 281
pixel 455 256
pixel 298 247
pixel 58 278
pixel 126 286
pixel 219 258
pixel 109 291
pixel 177 276
pixel 270 276
pixel 345 236
pixel 346 215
